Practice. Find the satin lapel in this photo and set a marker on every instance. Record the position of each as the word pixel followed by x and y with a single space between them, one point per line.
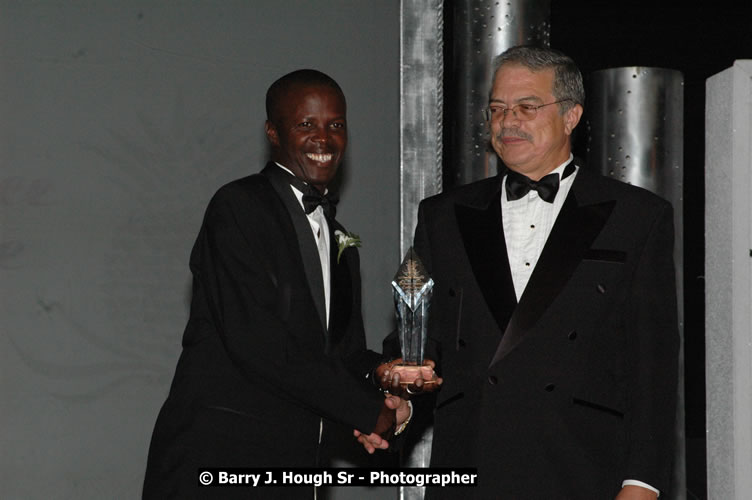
pixel 340 307
pixel 483 237
pixel 308 250
pixel 576 228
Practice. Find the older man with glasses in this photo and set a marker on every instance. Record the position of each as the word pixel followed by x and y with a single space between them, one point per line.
pixel 554 321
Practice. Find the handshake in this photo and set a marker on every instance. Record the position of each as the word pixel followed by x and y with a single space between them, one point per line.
pixel 399 382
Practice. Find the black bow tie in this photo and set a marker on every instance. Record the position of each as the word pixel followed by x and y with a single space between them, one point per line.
pixel 519 185
pixel 312 198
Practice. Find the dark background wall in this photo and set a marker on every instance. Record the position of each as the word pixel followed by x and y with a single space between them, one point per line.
pixel 699 39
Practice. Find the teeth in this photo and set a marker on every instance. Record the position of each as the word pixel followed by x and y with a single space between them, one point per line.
pixel 319 157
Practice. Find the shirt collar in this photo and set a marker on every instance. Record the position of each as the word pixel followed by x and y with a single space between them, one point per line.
pixel 293 187
pixel 560 169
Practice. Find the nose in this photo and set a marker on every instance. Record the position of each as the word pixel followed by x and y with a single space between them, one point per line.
pixel 320 135
pixel 509 114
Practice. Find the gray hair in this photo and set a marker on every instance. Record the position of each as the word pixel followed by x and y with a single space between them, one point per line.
pixel 567 77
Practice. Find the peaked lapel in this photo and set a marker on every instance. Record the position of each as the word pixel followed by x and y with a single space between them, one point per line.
pixel 479 222
pixel 579 222
pixel 340 307
pixel 309 252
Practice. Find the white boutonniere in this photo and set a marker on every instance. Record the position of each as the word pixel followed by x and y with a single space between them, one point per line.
pixel 345 240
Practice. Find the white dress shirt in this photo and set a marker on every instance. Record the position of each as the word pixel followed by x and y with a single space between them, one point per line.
pixel 320 230
pixel 527 224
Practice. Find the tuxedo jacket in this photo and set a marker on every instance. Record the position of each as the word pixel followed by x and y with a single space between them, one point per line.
pixel 259 369
pixel 573 389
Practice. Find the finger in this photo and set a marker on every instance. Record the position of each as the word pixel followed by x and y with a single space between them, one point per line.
pixel 396 382
pixel 366 444
pixel 385 379
pixel 392 402
pixel 383 444
pixel 373 441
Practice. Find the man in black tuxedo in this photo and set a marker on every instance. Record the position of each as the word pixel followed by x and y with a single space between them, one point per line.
pixel 274 347
pixel 553 322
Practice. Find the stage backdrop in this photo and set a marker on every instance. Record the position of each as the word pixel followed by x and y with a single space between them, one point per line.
pixel 118 121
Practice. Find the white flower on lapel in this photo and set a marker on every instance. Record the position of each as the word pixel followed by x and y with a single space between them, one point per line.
pixel 345 240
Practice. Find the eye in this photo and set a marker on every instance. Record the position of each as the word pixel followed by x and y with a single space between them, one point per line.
pixel 527 111
pixel 304 124
pixel 496 109
pixel 338 125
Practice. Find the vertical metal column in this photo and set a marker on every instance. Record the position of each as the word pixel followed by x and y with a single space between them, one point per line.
pixel 634 119
pixel 482 29
pixel 421 112
pixel 421 104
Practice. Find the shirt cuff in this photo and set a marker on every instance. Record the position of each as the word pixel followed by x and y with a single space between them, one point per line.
pixel 634 482
pixel 407 420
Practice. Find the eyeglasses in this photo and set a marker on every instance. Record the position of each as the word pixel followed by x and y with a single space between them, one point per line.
pixel 523 112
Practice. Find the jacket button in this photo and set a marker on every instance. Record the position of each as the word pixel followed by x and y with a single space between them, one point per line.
pixel 461 342
pixel 493 380
pixel 451 292
pixel 572 335
pixel 550 388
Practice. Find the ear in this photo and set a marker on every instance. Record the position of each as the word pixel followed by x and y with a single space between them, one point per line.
pixel 572 118
pixel 271 133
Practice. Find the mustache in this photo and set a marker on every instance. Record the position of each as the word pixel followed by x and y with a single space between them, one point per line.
pixel 513 132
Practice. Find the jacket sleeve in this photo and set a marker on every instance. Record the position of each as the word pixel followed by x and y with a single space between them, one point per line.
pixel 233 268
pixel 652 358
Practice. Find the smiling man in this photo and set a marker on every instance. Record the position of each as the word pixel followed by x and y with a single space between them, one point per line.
pixel 553 319
pixel 307 129
pixel 272 304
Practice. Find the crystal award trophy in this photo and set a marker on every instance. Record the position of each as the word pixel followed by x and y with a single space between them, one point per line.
pixel 412 300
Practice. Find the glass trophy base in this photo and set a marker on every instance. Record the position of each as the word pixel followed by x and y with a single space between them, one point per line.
pixel 410 373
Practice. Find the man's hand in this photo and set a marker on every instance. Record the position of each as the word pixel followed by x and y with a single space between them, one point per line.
pixel 393 414
pixel 371 442
pixel 402 409
pixel 632 492
pixel 406 381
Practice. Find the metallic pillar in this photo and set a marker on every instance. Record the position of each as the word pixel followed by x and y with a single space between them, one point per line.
pixel 634 120
pixel 421 112
pixel 482 29
pixel 421 104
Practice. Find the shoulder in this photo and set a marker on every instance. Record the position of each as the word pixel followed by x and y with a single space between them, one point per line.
pixel 628 195
pixel 478 192
pixel 244 190
pixel 251 185
pixel 247 197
